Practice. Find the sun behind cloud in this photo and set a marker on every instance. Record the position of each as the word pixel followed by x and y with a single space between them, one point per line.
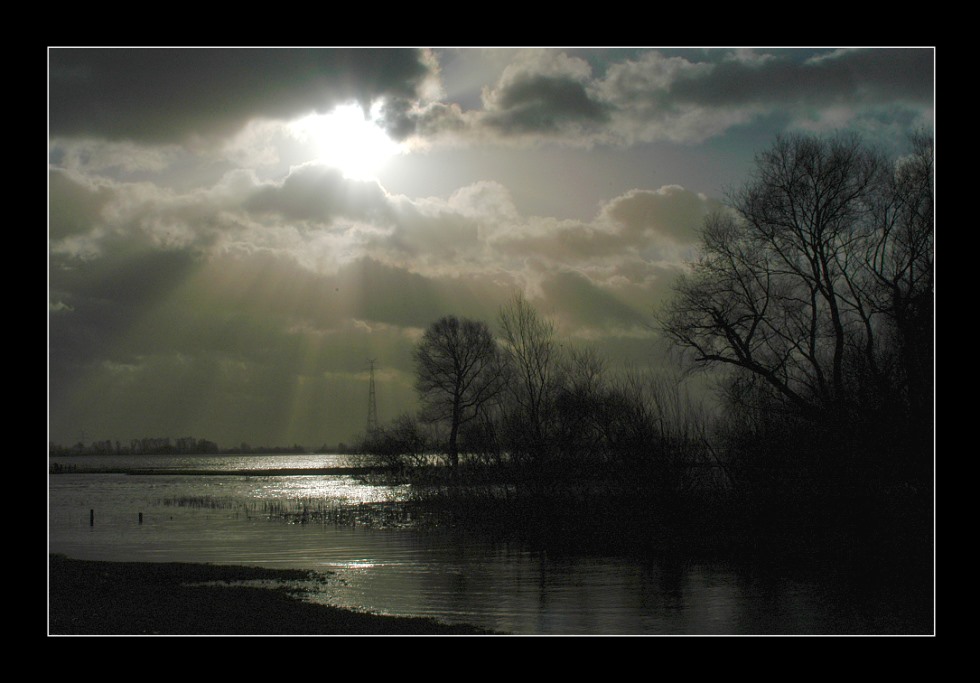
pixel 349 140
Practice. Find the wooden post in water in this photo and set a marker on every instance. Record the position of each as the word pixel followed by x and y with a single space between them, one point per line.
pixel 91 517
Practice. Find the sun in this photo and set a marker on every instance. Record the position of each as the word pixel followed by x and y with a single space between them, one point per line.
pixel 349 140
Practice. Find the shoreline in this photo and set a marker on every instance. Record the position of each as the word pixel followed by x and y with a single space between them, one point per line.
pixel 87 597
pixel 267 472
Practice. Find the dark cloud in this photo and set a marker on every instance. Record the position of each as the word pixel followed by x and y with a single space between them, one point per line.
pixel 104 302
pixel 433 120
pixel 169 95
pixel 584 97
pixel 399 118
pixel 850 77
pixel 122 283
pixel 536 103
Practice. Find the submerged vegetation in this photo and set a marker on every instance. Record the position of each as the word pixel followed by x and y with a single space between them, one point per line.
pixel 303 510
pixel 811 303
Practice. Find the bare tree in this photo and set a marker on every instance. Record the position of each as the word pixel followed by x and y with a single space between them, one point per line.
pixel 580 405
pixel 532 355
pixel 458 373
pixel 799 282
pixel 900 257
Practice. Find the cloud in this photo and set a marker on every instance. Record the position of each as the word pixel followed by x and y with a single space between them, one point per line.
pixel 581 304
pixel 549 96
pixel 313 215
pixel 653 225
pixel 531 103
pixel 545 95
pixel 319 193
pixel 249 289
pixel 207 277
pixel 321 221
pixel 670 212
pixel 240 345
pixel 682 100
pixel 104 303
pixel 432 236
pixel 426 124
pixel 106 156
pixel 59 307
pixel 173 94
pixel 74 207
pixel 540 93
pixel 865 76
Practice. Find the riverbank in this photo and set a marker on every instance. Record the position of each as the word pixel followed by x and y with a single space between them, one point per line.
pixel 71 468
pixel 149 598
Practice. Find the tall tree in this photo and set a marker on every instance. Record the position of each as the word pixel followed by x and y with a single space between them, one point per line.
pixel 458 373
pixel 901 259
pixel 819 269
pixel 532 354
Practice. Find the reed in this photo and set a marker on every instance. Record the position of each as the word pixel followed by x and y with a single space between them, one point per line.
pixel 338 513
pixel 200 502
pixel 305 510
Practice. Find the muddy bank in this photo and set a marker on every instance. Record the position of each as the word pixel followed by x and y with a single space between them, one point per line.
pixel 148 598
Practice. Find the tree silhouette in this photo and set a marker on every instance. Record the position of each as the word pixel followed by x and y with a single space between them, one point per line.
pixel 818 279
pixel 533 358
pixel 458 373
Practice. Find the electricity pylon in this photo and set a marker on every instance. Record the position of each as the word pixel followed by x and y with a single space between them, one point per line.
pixel 372 413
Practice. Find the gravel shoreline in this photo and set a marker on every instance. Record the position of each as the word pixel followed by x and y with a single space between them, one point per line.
pixel 149 598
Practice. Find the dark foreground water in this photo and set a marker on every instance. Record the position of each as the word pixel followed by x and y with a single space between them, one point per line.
pixel 234 518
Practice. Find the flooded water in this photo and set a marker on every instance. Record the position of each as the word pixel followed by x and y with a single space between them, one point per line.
pixel 236 518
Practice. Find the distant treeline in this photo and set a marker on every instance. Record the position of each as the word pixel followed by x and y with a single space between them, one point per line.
pixel 187 445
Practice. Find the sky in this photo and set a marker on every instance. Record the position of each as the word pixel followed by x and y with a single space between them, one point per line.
pixel 233 234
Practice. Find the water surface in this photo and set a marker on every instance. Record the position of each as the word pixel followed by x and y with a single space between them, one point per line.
pixel 442 573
